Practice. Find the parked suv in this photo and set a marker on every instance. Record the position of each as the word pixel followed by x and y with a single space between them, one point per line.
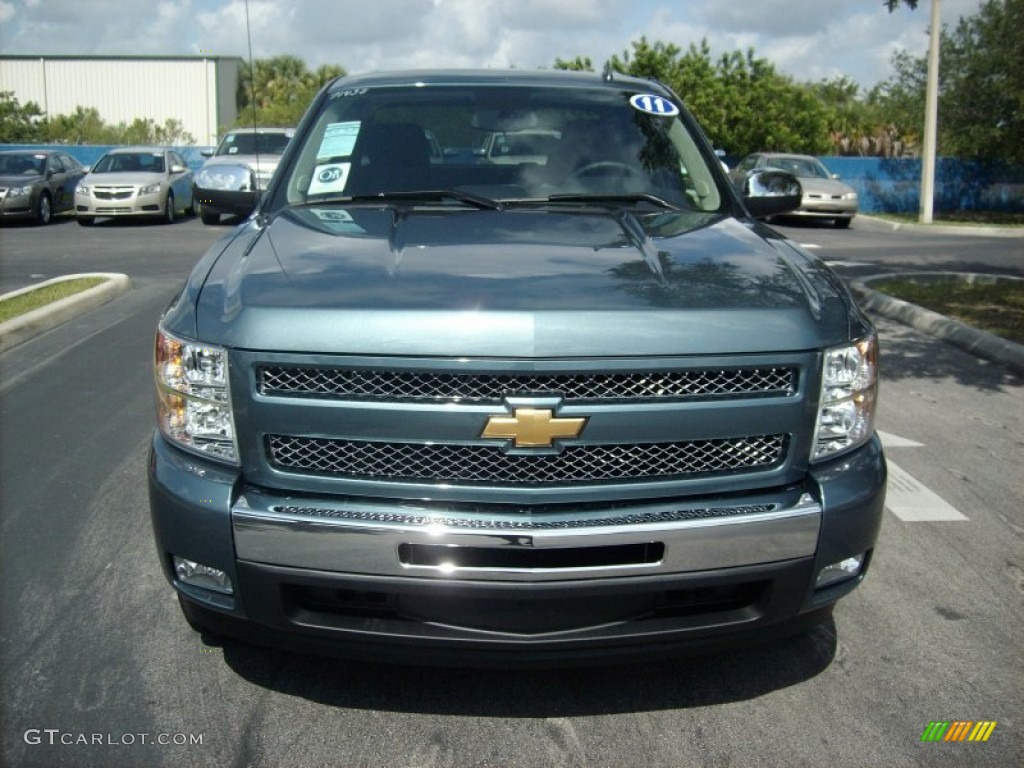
pixel 583 406
pixel 238 171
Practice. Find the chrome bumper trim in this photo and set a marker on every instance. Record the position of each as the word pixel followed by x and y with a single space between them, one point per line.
pixel 366 544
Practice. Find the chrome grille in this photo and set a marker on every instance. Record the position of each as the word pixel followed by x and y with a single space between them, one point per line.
pixel 526 521
pixel 445 463
pixel 359 384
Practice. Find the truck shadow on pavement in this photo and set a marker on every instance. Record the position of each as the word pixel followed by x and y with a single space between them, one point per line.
pixel 688 681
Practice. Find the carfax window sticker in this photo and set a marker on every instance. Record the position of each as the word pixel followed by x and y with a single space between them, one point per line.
pixel 339 139
pixel 650 104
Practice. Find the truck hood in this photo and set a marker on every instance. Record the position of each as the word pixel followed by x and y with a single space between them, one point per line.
pixel 517 283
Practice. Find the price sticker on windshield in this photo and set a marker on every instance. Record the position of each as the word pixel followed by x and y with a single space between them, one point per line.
pixel 650 104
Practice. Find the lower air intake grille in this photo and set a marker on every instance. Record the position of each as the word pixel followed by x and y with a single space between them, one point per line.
pixel 446 463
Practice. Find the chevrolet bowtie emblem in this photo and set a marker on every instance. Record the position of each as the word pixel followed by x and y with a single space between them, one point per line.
pixel 532 427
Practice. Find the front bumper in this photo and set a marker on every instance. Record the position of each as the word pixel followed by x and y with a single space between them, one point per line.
pixel 125 204
pixel 17 206
pixel 370 579
pixel 230 201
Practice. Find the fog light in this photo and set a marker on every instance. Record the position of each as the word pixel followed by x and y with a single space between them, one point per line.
pixel 199 575
pixel 841 571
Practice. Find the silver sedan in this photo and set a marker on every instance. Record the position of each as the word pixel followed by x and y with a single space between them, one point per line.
pixel 138 181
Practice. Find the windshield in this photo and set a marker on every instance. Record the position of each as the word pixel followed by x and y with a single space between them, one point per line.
pixel 253 144
pixel 503 143
pixel 22 165
pixel 807 167
pixel 130 162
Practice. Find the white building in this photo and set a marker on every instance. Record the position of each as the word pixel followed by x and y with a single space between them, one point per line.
pixel 198 91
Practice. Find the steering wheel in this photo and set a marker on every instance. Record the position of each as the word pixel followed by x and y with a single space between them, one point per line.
pixel 606 167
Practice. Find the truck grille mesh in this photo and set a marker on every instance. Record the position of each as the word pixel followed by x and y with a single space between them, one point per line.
pixel 358 384
pixel 438 463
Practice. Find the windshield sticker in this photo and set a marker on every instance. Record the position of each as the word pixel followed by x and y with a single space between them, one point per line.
pixel 331 177
pixel 339 139
pixel 653 105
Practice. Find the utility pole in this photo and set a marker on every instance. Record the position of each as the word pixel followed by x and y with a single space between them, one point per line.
pixel 931 116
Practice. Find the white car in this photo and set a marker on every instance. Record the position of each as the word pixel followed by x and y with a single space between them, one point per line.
pixel 152 182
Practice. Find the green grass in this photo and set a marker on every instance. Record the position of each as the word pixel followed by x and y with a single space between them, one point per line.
pixel 26 302
pixel 963 218
pixel 994 307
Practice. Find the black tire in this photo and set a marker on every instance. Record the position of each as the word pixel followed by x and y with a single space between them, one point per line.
pixel 191 210
pixel 86 221
pixel 843 223
pixel 169 208
pixel 44 209
pixel 208 216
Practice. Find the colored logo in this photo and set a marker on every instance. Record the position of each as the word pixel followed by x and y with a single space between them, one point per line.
pixel 532 427
pixel 958 730
pixel 654 105
pixel 329 174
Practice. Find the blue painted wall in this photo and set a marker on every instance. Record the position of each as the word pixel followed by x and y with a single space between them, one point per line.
pixel 88 154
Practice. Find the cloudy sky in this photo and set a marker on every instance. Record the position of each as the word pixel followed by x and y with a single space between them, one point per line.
pixel 808 39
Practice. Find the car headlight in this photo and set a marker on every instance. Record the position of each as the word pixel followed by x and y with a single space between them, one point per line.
pixel 150 189
pixel 849 196
pixel 19 191
pixel 194 397
pixel 849 391
pixel 82 189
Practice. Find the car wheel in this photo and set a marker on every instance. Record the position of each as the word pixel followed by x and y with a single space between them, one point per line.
pixel 208 216
pixel 169 208
pixel 85 221
pixel 44 209
pixel 843 223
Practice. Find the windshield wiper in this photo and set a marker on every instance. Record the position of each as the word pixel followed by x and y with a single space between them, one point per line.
pixel 639 197
pixel 416 196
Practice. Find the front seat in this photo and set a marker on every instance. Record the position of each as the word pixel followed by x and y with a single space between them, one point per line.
pixel 390 157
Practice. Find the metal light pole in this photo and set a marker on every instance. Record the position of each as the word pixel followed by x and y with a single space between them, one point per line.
pixel 931 117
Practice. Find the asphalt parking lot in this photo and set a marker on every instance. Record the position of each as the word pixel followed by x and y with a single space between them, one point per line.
pixel 98 667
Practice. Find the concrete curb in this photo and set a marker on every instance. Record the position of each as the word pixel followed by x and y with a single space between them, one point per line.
pixel 980 343
pixel 24 327
pixel 942 229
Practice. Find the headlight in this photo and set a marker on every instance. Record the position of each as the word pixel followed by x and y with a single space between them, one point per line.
pixel 152 189
pixel 193 397
pixel 849 196
pixel 849 390
pixel 82 189
pixel 19 191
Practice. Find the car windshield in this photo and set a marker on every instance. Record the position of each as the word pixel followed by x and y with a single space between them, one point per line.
pixel 504 143
pixel 22 165
pixel 806 167
pixel 130 162
pixel 253 144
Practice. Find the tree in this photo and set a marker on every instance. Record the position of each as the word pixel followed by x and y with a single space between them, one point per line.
pixel 19 123
pixel 277 91
pixel 741 101
pixel 981 88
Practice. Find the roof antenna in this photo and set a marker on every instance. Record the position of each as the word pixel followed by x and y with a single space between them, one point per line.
pixel 609 74
pixel 252 103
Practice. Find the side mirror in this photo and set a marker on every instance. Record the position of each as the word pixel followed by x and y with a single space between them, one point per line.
pixel 176 169
pixel 771 193
pixel 206 152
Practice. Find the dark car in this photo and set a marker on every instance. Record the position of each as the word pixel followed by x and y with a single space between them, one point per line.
pixel 238 171
pixel 578 406
pixel 37 184
pixel 824 196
